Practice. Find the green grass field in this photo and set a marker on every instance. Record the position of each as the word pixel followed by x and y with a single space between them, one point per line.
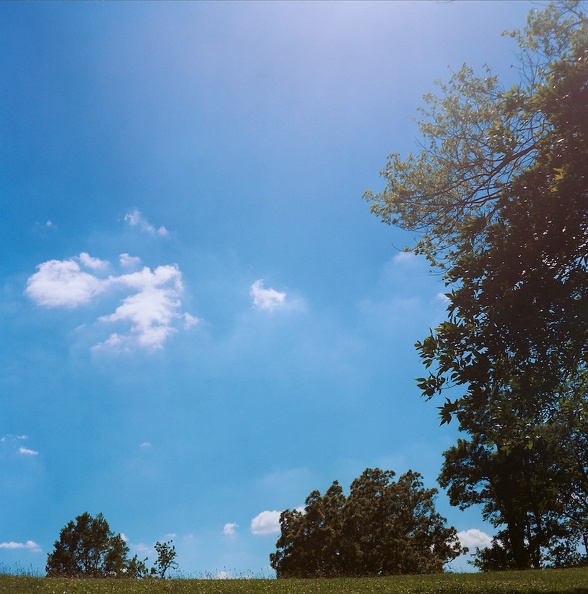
pixel 525 582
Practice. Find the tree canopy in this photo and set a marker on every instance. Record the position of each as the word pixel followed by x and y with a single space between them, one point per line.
pixel 384 527
pixel 499 194
pixel 88 548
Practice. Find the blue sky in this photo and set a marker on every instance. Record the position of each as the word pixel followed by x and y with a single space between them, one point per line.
pixel 201 321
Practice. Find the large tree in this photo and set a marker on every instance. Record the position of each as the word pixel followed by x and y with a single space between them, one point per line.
pixel 500 194
pixel 384 527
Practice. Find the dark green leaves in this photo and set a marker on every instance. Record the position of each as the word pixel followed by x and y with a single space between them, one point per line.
pixel 384 527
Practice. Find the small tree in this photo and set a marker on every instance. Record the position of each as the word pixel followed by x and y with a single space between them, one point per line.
pixel 88 548
pixel 166 557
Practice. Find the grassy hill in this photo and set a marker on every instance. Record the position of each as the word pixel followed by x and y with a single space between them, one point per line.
pixel 525 582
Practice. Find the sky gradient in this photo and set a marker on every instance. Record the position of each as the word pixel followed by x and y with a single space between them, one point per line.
pixel 201 321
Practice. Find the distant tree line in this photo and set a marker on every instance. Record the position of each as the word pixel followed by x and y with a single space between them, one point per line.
pixel 87 548
pixel 383 527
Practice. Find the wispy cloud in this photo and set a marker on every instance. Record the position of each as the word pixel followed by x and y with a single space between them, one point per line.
pixel 266 298
pixel 404 257
pixel 136 219
pixel 230 530
pixel 27 452
pixel 267 522
pixel 474 539
pixel 10 437
pixel 151 307
pixel 29 545
pixel 14 440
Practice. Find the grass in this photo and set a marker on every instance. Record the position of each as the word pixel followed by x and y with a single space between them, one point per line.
pixel 573 581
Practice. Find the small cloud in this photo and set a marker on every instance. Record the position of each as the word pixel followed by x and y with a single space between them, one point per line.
pixel 151 310
pixel 230 530
pixel 223 575
pixel 266 298
pixel 127 261
pixel 474 539
pixel 136 219
pixel 442 297
pixel 267 522
pixel 50 225
pixel 190 320
pixel 145 445
pixel 10 437
pixel 27 452
pixel 29 545
pixel 93 263
pixel 404 257
pixel 61 283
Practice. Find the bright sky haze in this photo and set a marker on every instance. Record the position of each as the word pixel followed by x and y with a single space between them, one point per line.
pixel 201 322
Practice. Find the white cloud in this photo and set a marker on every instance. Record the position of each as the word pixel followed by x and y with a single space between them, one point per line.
pixel 28 545
pixel 152 309
pixel 27 452
pixel 127 261
pixel 266 298
pixel 230 530
pixel 267 522
pixel 10 437
pixel 93 263
pixel 145 444
pixel 136 219
pixel 402 257
pixel 62 283
pixel 151 306
pixel 474 539
pixel 190 320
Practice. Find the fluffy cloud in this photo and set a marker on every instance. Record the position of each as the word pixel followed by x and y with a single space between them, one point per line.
pixel 62 283
pixel 28 545
pixel 92 263
pixel 151 307
pixel 127 261
pixel 474 539
pixel 266 298
pixel 267 522
pixel 230 530
pixel 136 219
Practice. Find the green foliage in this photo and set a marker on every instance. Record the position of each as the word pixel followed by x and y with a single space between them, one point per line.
pixel 382 528
pixel 87 548
pixel 499 194
pixel 166 558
